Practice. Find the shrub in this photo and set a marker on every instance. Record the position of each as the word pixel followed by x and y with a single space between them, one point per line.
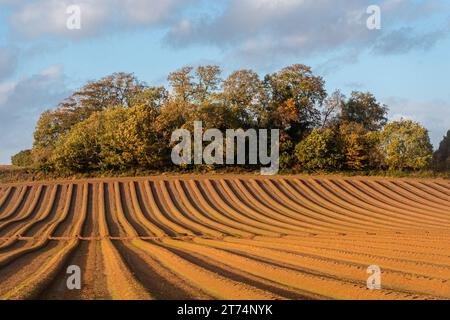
pixel 359 146
pixel 79 150
pixel 319 151
pixel 114 139
pixel 22 159
pixel 405 145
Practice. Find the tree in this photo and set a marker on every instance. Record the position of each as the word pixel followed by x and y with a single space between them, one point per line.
pixel 441 158
pixel 151 97
pixel 332 108
pixel 208 82
pixel 113 139
pixel 319 151
pixel 51 126
pixel 129 140
pixel 117 89
pixel 191 92
pixel 287 151
pixel 183 85
pixel 22 159
pixel 242 92
pixel 405 145
pixel 80 149
pixel 358 146
pixel 363 108
pixel 118 122
pixel 172 116
pixel 295 97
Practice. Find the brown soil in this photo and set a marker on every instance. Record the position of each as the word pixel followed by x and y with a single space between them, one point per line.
pixel 226 237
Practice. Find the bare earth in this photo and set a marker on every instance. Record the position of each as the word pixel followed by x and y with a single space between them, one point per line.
pixel 240 237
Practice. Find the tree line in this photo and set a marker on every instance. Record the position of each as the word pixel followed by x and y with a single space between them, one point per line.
pixel 119 123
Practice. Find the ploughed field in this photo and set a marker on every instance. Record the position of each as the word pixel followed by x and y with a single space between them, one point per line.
pixel 226 238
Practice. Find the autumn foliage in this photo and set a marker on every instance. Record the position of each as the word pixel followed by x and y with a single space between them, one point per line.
pixel 119 123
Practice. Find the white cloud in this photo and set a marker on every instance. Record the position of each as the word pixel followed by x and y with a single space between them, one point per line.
pixel 49 17
pixel 253 30
pixel 21 103
pixel 270 29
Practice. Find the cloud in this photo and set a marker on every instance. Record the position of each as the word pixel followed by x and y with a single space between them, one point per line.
pixel 260 32
pixel 292 25
pixel 21 102
pixel 8 62
pixel 335 62
pixel 437 121
pixel 406 39
pixel 49 17
pixel 270 29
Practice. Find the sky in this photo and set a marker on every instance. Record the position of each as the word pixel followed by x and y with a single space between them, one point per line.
pixel 405 62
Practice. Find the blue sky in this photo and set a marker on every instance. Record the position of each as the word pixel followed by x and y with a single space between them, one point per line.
pixel 405 64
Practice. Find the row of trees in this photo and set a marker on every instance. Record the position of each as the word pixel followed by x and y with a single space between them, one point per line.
pixel 120 123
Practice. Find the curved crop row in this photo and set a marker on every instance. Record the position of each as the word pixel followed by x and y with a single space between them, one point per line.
pixel 226 238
